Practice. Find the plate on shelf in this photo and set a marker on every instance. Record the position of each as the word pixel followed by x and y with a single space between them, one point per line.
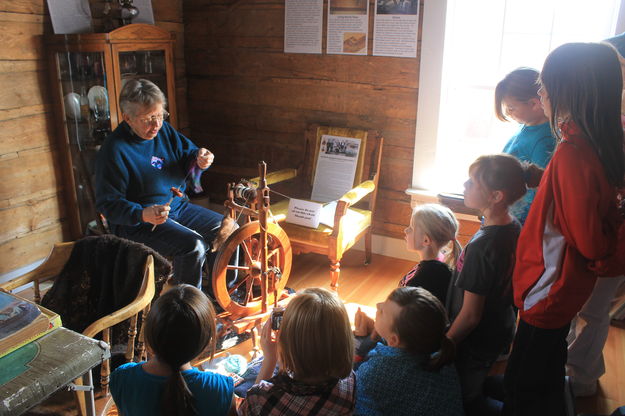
pixel 72 105
pixel 98 98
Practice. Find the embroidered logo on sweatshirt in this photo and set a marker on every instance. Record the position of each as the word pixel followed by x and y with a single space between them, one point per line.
pixel 157 162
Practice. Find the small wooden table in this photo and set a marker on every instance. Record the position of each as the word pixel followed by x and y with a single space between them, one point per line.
pixel 33 372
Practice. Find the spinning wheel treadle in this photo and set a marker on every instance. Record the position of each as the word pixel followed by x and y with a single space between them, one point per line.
pixel 242 296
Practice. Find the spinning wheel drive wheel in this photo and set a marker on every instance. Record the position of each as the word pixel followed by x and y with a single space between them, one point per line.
pixel 237 284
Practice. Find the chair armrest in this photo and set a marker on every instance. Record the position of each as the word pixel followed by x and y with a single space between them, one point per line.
pixel 278 176
pixel 350 198
pixel 143 299
pixel 356 194
pixel 49 268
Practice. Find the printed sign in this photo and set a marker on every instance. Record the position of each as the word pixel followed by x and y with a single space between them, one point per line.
pixel 304 213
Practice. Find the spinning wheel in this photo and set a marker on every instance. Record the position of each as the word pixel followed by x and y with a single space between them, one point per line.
pixel 253 265
pixel 243 296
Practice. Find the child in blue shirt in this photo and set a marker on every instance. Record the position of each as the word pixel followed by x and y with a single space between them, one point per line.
pixel 516 97
pixel 180 325
pixel 410 374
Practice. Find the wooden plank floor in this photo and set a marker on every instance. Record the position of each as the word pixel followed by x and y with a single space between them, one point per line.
pixel 358 283
pixel 368 285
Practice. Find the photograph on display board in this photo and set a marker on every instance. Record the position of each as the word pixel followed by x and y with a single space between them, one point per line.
pixel 397 6
pixel 354 42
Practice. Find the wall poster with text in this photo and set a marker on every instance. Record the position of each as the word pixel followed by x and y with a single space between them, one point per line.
pixel 348 27
pixel 395 28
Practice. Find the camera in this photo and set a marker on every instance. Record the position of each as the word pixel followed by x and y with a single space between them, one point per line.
pixel 276 318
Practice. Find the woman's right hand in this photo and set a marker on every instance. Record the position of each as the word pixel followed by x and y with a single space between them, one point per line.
pixel 155 214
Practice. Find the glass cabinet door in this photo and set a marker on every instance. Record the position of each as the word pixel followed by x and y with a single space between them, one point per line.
pixel 146 64
pixel 87 119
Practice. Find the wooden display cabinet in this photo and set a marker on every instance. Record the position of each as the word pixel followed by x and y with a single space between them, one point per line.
pixel 87 73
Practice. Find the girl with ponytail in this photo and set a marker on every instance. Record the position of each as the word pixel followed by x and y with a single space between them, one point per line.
pixel 179 327
pixel 481 296
pixel 410 374
pixel 433 228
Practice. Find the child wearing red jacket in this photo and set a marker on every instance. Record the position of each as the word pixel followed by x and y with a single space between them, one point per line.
pixel 571 232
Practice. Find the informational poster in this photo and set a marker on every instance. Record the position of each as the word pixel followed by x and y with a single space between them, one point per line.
pixel 303 26
pixel 336 167
pixel 348 27
pixel 395 28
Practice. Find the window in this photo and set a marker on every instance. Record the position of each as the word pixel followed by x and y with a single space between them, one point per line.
pixel 467 47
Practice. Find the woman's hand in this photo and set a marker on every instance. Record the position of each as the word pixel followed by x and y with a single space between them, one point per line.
pixel 156 214
pixel 204 158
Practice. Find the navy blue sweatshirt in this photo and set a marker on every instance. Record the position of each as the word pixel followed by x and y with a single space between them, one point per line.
pixel 133 173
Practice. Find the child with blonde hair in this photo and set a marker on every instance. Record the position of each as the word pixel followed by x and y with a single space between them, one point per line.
pixel 179 327
pixel 481 306
pixel 314 348
pixel 432 228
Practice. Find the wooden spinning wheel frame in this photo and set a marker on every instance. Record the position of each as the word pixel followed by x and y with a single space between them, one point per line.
pixel 254 263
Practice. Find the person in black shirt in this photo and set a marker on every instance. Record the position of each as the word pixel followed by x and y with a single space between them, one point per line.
pixel 481 298
pixel 432 228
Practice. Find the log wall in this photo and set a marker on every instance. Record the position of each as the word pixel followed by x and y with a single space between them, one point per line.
pixel 250 101
pixel 32 215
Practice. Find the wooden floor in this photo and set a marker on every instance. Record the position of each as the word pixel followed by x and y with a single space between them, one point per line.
pixel 370 284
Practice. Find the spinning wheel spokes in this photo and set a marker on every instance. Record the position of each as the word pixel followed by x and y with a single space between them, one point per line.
pixel 237 285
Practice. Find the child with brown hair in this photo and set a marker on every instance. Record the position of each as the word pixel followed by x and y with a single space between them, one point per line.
pixel 314 348
pixel 516 97
pixel 481 306
pixel 409 374
pixel 572 233
pixel 179 327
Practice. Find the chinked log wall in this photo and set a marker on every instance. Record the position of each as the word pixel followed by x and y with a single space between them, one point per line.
pixel 32 216
pixel 249 101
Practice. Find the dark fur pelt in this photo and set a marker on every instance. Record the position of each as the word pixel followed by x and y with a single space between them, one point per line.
pixel 103 274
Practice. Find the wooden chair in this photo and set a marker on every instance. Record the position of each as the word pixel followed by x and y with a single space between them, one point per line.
pixel 52 266
pixel 350 223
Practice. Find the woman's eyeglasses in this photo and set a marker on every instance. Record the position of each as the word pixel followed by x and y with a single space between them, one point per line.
pixel 158 119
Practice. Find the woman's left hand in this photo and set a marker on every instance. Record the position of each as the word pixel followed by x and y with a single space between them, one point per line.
pixel 204 158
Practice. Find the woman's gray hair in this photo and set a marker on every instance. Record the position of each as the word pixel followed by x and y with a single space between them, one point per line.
pixel 140 92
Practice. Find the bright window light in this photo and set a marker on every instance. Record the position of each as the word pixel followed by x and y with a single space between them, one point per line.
pixel 483 41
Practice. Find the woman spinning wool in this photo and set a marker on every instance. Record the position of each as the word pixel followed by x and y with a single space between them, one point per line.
pixel 136 169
